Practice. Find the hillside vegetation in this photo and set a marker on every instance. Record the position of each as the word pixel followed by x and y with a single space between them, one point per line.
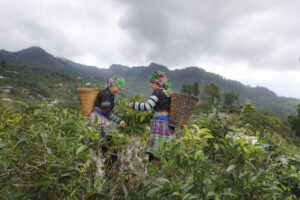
pixel 49 152
pixel 264 99
pixel 20 82
pixel 136 78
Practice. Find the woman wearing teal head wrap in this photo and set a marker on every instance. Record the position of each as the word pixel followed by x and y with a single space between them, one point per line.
pixel 115 81
pixel 103 115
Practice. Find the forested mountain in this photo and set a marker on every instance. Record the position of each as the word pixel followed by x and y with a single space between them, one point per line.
pixel 34 85
pixel 136 78
pixel 36 57
pixel 265 100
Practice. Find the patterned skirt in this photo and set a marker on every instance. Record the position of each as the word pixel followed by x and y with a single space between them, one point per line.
pixel 160 131
pixel 103 126
pixel 101 123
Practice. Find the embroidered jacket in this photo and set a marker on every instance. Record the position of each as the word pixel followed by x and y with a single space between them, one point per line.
pixel 158 101
pixel 105 101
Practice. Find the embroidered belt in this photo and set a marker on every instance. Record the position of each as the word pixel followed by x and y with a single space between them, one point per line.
pixel 162 115
pixel 98 110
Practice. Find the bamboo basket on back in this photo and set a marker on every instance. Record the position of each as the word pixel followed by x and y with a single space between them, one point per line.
pixel 87 97
pixel 181 108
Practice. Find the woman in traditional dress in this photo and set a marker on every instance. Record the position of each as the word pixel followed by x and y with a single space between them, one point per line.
pixel 159 102
pixel 103 113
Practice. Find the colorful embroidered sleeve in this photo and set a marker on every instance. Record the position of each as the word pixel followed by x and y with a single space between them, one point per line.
pixel 114 118
pixel 149 105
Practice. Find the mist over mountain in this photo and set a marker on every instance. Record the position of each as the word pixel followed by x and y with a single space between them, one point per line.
pixel 136 78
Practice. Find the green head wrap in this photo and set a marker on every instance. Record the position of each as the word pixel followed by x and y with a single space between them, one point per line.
pixel 161 79
pixel 115 81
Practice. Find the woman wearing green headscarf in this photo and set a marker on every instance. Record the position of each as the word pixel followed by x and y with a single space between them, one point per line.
pixel 103 115
pixel 159 102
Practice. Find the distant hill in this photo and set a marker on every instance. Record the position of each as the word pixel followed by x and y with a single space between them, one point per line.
pixel 265 99
pixel 33 85
pixel 136 78
pixel 36 57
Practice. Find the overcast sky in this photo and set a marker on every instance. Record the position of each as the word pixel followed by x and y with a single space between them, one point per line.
pixel 256 42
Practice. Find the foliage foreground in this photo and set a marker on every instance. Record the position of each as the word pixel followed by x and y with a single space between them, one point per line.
pixel 50 153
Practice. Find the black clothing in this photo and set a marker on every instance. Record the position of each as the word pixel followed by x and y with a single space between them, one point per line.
pixel 105 101
pixel 163 102
pixel 159 100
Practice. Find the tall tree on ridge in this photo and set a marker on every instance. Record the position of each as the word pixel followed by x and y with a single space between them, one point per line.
pixel 210 97
pixel 186 89
pixel 195 88
pixel 229 99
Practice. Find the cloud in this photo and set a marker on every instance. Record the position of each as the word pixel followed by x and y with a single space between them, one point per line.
pixel 240 40
pixel 262 33
pixel 75 29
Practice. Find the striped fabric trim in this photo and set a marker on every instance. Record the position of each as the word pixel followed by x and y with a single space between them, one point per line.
pixel 157 114
pixel 98 110
pixel 114 118
pixel 105 103
pixel 167 118
pixel 161 115
pixel 149 105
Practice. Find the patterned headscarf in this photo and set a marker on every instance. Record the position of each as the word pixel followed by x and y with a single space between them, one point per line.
pixel 115 81
pixel 160 78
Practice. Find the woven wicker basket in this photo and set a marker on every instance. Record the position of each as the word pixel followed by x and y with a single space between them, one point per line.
pixel 181 108
pixel 87 98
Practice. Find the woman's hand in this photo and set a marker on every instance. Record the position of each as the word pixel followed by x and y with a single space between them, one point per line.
pixel 130 105
pixel 122 123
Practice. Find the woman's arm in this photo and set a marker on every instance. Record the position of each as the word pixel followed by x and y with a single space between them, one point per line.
pixel 149 105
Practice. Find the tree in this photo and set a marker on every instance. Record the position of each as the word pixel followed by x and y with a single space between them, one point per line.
pixel 295 121
pixel 229 99
pixel 186 89
pixel 195 88
pixel 211 96
pixel 191 89
pixel 3 63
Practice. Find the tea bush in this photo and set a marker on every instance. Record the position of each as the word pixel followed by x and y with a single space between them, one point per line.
pixel 137 123
pixel 49 153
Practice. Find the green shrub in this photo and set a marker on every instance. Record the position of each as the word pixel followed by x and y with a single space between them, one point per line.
pixel 49 153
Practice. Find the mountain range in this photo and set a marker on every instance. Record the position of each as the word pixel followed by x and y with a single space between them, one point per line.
pixel 136 78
